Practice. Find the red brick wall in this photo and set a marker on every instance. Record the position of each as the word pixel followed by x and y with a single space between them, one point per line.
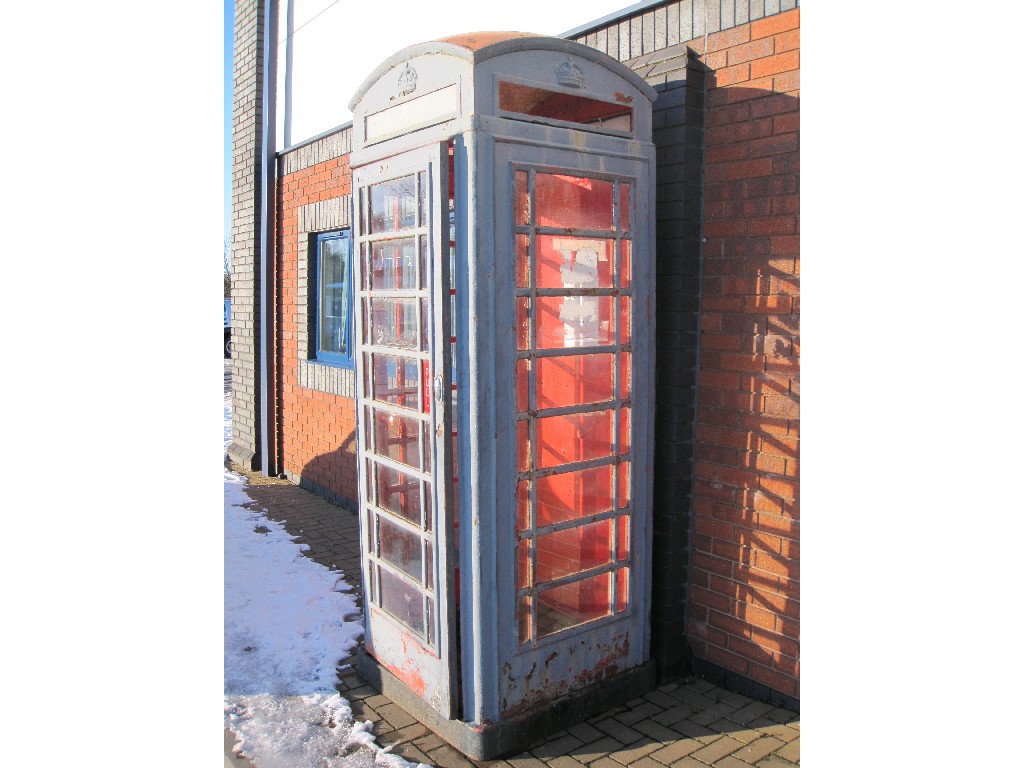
pixel 317 430
pixel 744 606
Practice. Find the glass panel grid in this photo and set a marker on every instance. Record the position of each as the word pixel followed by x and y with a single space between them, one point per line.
pixel 573 496
pixel 397 423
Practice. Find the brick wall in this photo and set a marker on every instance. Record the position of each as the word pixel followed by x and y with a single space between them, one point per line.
pixel 246 149
pixel 744 596
pixel 316 421
pixel 726 128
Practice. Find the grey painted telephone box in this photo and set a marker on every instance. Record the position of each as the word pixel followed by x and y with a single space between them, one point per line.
pixel 504 271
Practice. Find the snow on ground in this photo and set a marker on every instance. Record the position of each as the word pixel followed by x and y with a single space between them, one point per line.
pixel 287 622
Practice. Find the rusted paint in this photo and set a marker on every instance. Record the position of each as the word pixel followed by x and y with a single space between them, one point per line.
pixel 623 98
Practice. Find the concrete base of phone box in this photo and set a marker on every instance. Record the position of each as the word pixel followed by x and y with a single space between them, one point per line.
pixel 509 737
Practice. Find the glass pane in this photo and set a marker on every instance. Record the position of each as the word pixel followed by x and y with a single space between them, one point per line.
pixel 522 323
pixel 523 505
pixel 396 380
pixel 572 202
pixel 422 220
pixel 574 262
pixel 622 550
pixel 393 205
pixel 625 316
pixel 523 618
pixel 424 263
pixel 621 590
pixel 401 600
pixel 523 563
pixel 398 493
pixel 427 444
pixel 393 322
pixel 522 198
pixel 625 369
pixel 574 321
pixel 625 264
pixel 522 385
pixel 430 563
pixel 523 445
pixel 624 210
pixel 400 548
pixel 564 553
pixel 398 438
pixel 572 604
pixel 624 494
pixel 523 261
pixel 574 380
pixel 554 105
pixel 425 324
pixel 573 494
pixel 574 437
pixel 624 445
pixel 393 264
pixel 431 618
pixel 333 296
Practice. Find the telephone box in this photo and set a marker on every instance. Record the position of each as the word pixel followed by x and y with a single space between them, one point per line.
pixel 503 188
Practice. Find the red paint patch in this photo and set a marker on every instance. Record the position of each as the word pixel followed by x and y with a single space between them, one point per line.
pixel 623 98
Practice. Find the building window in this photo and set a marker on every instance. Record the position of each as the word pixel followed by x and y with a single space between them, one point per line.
pixel 332 316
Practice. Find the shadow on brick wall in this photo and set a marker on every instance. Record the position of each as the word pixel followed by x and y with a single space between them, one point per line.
pixel 743 607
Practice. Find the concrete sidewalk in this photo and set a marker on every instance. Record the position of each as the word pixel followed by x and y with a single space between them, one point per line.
pixel 688 723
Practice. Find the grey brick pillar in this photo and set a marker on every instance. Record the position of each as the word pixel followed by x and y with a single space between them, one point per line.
pixel 246 152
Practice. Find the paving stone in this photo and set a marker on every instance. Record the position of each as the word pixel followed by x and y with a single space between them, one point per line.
pixel 693 730
pixel 641 711
pixel 758 749
pixel 411 753
pixel 779 731
pixel 736 699
pixel 556 747
pixel 645 762
pixel 780 715
pixel 604 762
pixel 677 750
pixel 588 753
pixel 733 730
pixel 718 748
pixel 585 732
pixel 630 754
pixel 701 686
pixel 525 760
pixel 656 731
pixel 730 761
pixel 565 761
pixel 791 751
pixel 661 698
pixel 695 699
pixel 618 730
pixel 774 761
pixel 671 716
pixel 447 756
pixel 377 700
pixel 689 762
pixel 751 711
pixel 711 714
pixel 408 733
pixel 362 711
pixel 429 742
pixel 395 715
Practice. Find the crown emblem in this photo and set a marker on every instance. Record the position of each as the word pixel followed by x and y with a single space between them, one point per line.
pixel 407 80
pixel 570 74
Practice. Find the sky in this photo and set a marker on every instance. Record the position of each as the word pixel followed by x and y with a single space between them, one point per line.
pixel 378 35
pixel 287 622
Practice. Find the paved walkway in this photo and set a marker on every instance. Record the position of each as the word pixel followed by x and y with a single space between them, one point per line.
pixel 688 723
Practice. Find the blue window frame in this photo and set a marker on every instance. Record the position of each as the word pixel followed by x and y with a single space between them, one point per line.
pixel 332 317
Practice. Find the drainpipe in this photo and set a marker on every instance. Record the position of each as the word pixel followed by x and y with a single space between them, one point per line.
pixel 268 211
